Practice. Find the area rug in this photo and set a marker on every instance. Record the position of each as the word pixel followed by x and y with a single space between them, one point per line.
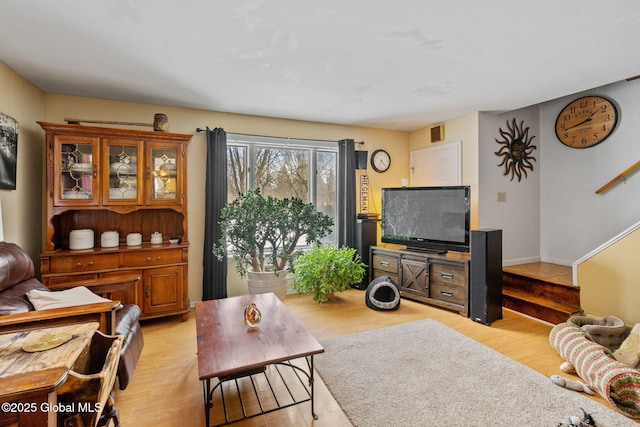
pixel 426 374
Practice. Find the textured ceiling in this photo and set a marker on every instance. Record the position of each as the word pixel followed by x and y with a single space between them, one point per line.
pixel 397 65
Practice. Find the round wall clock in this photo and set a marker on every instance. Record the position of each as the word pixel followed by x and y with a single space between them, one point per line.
pixel 587 121
pixel 380 161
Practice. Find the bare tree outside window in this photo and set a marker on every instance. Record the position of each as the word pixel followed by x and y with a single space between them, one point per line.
pixel 237 171
pixel 326 187
pixel 282 173
pixel 306 171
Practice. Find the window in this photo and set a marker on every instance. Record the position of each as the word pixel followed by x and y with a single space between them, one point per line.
pixel 283 168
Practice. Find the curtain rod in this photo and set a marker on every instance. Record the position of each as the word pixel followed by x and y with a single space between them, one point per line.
pixel 281 137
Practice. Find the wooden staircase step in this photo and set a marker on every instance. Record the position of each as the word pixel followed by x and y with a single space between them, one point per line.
pixel 541 290
pixel 537 306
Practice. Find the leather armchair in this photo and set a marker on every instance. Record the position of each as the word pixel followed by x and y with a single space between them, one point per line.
pixel 17 277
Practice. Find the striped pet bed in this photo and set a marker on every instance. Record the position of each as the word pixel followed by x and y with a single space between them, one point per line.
pixel 616 382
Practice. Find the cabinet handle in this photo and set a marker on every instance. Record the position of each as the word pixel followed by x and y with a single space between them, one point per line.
pixel 384 263
pixel 95 172
pixel 146 291
pixel 148 258
pixel 446 275
pixel 158 258
pixel 79 264
pixel 446 293
pixel 148 172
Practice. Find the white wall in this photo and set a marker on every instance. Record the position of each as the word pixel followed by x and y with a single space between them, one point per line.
pixel 574 220
pixel 519 216
pixel 554 214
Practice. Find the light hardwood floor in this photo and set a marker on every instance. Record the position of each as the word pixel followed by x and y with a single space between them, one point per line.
pixel 165 390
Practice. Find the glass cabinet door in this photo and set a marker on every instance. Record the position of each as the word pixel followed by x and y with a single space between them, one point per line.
pixel 165 172
pixel 76 171
pixel 122 172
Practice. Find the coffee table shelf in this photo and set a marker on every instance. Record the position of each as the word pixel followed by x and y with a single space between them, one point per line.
pixel 259 392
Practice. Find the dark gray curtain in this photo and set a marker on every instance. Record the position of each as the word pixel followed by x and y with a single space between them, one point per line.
pixel 346 193
pixel 214 277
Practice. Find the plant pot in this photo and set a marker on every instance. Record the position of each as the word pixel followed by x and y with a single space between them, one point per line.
pixel 263 282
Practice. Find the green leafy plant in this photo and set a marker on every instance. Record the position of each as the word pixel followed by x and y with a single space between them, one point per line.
pixel 263 232
pixel 324 270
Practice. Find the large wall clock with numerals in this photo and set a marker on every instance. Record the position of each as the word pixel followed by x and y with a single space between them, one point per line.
pixel 586 121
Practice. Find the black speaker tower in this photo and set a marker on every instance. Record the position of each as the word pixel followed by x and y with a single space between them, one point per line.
pixel 486 276
pixel 366 236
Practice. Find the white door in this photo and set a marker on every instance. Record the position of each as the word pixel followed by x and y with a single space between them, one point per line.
pixel 437 166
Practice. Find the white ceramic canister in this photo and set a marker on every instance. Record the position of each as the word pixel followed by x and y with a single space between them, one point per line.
pixel 156 238
pixel 109 239
pixel 81 239
pixel 134 239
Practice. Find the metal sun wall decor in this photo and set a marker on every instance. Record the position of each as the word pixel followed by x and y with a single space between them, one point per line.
pixel 8 151
pixel 516 150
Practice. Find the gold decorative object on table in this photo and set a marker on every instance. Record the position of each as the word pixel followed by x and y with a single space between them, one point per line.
pixel 46 342
pixel 252 315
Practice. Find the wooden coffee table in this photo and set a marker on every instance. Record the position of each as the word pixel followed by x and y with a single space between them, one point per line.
pixel 231 351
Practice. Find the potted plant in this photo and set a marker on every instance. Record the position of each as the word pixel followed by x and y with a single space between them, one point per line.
pixel 262 234
pixel 324 270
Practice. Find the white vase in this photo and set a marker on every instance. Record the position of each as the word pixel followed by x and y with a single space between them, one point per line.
pixel 263 282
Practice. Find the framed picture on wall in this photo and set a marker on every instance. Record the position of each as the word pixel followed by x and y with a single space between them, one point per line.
pixel 8 151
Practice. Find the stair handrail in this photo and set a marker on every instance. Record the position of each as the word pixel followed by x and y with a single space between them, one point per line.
pixel 620 177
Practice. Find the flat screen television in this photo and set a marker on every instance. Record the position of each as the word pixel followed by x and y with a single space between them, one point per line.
pixel 434 219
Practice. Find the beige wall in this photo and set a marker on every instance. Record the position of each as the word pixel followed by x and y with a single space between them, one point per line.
pixel 610 281
pixel 22 208
pixel 182 120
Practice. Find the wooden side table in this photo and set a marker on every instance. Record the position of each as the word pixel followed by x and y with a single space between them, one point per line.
pixel 28 381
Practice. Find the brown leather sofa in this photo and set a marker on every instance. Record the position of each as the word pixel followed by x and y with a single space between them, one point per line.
pixel 17 277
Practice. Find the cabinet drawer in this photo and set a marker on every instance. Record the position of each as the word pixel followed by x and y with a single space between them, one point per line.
pixel 152 258
pixel 448 293
pixel 394 277
pixel 385 263
pixel 83 263
pixel 447 274
pixel 54 282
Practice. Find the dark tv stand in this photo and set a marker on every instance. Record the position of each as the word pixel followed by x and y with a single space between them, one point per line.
pixel 426 251
pixel 436 279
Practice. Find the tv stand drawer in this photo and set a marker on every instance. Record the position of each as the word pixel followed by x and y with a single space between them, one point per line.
pixel 378 273
pixel 386 263
pixel 447 274
pixel 452 294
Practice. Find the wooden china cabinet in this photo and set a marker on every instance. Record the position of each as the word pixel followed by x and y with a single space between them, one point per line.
pixel 129 181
